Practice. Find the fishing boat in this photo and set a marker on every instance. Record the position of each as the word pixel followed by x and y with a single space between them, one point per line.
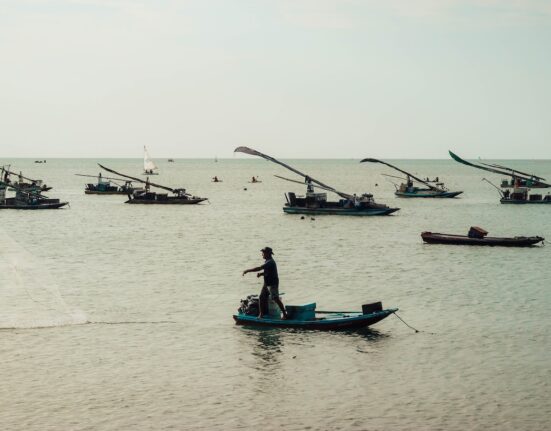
pixel 104 186
pixel 254 180
pixel 445 238
pixel 517 188
pixel 407 189
pixel 146 197
pixel 28 184
pixel 316 203
pixel 307 317
pixel 149 166
pixel 26 198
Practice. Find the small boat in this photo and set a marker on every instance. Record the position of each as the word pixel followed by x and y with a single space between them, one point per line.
pixel 477 236
pixel 146 197
pixel 517 188
pixel 306 317
pixel 254 180
pixel 149 166
pixel 216 180
pixel 407 189
pixel 316 203
pixel 170 160
pixel 104 186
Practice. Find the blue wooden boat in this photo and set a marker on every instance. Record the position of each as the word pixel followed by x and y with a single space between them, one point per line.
pixel 425 193
pixel 306 317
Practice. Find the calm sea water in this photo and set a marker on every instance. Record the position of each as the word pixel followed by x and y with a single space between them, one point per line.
pixel 118 317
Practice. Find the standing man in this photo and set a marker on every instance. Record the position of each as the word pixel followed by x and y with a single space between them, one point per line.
pixel 271 282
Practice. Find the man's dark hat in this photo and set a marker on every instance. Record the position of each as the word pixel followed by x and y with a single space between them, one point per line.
pixel 268 250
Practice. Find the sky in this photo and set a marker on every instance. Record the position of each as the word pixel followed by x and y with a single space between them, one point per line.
pixel 290 78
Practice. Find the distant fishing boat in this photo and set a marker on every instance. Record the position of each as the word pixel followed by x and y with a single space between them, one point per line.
pixel 477 236
pixel 29 185
pixel 149 166
pixel 306 317
pixel 170 160
pixel 26 198
pixel 517 188
pixel 407 189
pixel 146 197
pixel 316 203
pixel 104 186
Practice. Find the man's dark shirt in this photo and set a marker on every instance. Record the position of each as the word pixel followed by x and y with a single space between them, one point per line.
pixel 270 273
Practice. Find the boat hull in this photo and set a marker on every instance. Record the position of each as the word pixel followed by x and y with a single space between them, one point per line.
pixel 169 201
pixel 340 211
pixel 95 192
pixel 340 321
pixel 519 241
pixel 41 206
pixel 428 195
pixel 524 202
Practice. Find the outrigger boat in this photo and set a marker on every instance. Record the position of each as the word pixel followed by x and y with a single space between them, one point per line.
pixel 316 203
pixel 30 185
pixel 144 196
pixel 26 198
pixel 149 165
pixel 477 236
pixel 408 190
pixel 516 189
pixel 104 186
pixel 306 317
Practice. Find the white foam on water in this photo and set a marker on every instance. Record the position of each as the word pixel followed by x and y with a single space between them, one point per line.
pixel 30 297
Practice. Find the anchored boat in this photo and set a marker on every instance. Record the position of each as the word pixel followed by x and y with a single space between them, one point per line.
pixel 517 188
pixel 146 197
pixel 26 198
pixel 477 236
pixel 306 316
pixel 316 203
pixel 104 186
pixel 407 189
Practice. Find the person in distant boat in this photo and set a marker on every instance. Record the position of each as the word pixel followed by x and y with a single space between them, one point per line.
pixel 409 187
pixel 6 177
pixel 215 179
pixel 309 185
pixel 271 282
pixel 254 180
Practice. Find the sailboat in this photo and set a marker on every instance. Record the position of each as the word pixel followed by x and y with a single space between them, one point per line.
pixel 149 165
pixel 408 190
pixel 316 203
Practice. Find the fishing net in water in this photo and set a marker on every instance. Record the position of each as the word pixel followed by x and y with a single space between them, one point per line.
pixel 29 297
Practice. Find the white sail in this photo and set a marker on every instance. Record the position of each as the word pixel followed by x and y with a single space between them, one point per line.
pixel 148 164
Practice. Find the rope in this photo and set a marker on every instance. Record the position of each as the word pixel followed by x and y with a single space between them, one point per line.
pixel 409 326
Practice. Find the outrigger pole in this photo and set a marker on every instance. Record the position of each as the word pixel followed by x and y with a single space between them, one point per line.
pixel 18 175
pixel 432 187
pixel 503 171
pixel 252 152
pixel 175 191
pixel 308 179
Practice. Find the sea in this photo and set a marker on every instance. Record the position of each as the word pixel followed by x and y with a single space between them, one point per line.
pixel 119 317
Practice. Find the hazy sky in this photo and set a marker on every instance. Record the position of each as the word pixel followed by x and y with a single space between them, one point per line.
pixel 292 78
